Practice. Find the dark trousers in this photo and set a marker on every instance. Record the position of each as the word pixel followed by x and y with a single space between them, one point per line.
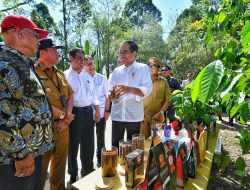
pixel 100 137
pixel 170 113
pixel 118 130
pixel 81 131
pixel 8 180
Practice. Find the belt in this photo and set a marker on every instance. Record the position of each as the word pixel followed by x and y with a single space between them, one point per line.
pixel 83 108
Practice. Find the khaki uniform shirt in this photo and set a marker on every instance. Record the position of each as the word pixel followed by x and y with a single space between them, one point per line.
pixel 160 93
pixel 55 84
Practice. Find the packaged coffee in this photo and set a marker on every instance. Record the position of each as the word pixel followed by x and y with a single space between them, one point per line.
pixel 134 167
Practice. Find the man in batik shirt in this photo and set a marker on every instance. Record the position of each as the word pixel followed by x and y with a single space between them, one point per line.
pixel 25 113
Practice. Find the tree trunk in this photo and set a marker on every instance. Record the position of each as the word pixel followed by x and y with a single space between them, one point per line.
pixel 99 56
pixel 65 35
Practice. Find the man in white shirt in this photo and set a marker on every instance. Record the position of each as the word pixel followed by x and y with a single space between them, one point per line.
pixel 130 83
pixel 101 86
pixel 82 129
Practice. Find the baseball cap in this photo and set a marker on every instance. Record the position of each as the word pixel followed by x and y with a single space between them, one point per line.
pixel 18 21
pixel 47 43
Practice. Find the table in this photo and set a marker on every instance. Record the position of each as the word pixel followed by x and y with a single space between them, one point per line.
pixel 88 182
pixel 199 183
pixel 203 171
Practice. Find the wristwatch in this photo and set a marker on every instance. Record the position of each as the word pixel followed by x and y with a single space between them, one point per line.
pixel 161 111
pixel 62 115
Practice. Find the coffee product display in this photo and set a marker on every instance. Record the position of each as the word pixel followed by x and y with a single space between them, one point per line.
pixel 125 147
pixel 109 161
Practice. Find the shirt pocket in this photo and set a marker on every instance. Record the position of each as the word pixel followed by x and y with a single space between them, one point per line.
pixel 64 88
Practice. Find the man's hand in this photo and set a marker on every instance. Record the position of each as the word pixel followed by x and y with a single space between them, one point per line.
pixel 24 167
pixel 61 126
pixel 121 90
pixel 97 116
pixel 106 115
pixel 69 117
pixel 64 123
pixel 157 116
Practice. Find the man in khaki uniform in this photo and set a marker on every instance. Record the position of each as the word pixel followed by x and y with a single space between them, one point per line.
pixel 158 101
pixel 61 98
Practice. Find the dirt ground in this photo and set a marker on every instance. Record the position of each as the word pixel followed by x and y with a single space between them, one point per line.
pixel 230 146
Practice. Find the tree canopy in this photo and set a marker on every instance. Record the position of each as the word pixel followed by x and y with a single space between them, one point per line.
pixel 135 11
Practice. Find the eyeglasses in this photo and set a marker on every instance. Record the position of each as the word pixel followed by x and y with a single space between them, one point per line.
pixel 32 32
pixel 165 70
pixel 153 66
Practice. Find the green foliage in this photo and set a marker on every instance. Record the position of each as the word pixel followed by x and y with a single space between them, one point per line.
pixel 198 101
pixel 241 167
pixel 221 161
pixel 109 28
pixel 208 81
pixel 244 137
pixel 86 47
pixel 41 16
pixel 231 19
pixel 188 51
pixel 136 11
pixel 15 6
pixel 149 39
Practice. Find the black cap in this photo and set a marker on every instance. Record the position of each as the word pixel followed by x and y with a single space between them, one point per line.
pixel 165 68
pixel 47 43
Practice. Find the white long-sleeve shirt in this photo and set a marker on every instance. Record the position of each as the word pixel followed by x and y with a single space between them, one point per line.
pixel 129 107
pixel 101 86
pixel 83 87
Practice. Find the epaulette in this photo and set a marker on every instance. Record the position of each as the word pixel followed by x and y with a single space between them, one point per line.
pixel 160 77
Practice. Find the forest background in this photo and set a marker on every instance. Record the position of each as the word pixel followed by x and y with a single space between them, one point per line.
pixel 99 26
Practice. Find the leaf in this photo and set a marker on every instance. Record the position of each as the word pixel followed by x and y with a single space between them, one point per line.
pixel 244 113
pixel 231 85
pixel 196 88
pixel 240 173
pixel 224 163
pixel 209 35
pixel 218 159
pixel 240 164
pixel 245 32
pixel 86 47
pixel 226 97
pixel 222 17
pixel 77 44
pixel 244 137
pixel 210 80
pixel 234 110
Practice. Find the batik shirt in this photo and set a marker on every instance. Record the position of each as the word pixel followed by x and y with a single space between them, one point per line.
pixel 25 113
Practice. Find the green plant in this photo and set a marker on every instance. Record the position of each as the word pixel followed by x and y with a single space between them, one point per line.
pixel 222 161
pixel 244 137
pixel 199 100
pixel 227 80
pixel 241 167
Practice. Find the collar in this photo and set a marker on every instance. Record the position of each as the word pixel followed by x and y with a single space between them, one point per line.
pixel 14 51
pixel 73 71
pixel 43 66
pixel 130 67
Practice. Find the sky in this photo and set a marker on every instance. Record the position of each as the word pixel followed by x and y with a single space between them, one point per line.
pixel 170 6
